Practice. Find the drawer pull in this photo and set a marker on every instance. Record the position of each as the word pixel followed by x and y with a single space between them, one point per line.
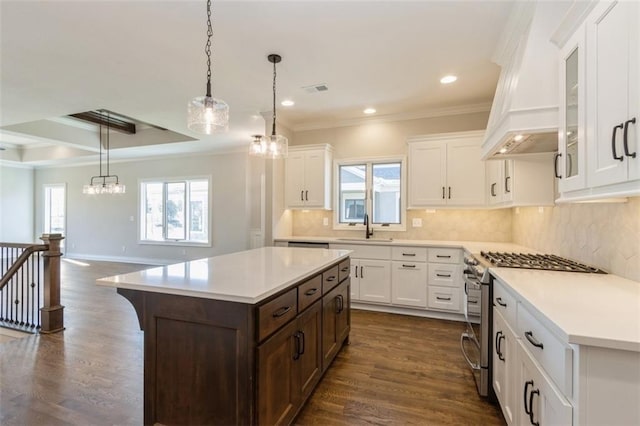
pixel 345 269
pixel 444 275
pixel 533 392
pixel 472 302
pixel 443 298
pixel 331 278
pixel 409 254
pixel 340 304
pixel 533 340
pixel 442 256
pixel 408 266
pixel 527 410
pixel 280 312
pixel 499 337
pixel 500 302
pixel 311 292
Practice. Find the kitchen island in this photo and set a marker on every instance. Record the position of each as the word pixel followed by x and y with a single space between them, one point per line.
pixel 242 338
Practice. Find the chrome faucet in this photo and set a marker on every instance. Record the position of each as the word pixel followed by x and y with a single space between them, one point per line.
pixel 368 231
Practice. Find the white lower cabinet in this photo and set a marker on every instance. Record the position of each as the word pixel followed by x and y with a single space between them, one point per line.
pixel 409 284
pixel 445 280
pixel 541 403
pixel 504 366
pixel 375 281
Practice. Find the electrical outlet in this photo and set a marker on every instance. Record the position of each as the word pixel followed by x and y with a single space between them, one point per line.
pixel 130 218
pixel 540 209
pixel 325 221
pixel 416 222
pixel 124 249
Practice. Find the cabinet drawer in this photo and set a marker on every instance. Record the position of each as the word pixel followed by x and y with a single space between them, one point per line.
pixel 362 251
pixel 309 292
pixel 504 303
pixel 273 315
pixel 330 279
pixel 553 355
pixel 344 269
pixel 412 254
pixel 445 274
pixel 444 255
pixel 444 298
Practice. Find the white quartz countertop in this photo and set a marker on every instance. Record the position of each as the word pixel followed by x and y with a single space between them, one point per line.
pixel 583 309
pixel 246 277
pixel 470 246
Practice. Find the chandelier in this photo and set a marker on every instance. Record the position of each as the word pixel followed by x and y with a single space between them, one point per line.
pixel 205 114
pixel 273 146
pixel 104 183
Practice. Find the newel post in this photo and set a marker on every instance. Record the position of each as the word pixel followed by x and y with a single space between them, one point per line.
pixel 51 314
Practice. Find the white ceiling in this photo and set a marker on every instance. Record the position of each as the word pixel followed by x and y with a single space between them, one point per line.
pixel 145 59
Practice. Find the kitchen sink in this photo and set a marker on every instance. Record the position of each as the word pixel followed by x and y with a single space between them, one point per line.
pixel 363 239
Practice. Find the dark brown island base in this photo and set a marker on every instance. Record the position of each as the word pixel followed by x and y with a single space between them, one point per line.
pixel 223 362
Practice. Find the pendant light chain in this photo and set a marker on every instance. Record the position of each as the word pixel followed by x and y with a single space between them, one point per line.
pixel 207 49
pixel 273 126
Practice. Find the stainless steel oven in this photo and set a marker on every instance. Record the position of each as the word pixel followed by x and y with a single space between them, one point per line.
pixel 475 341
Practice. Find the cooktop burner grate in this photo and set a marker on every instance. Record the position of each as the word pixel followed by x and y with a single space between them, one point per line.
pixel 543 262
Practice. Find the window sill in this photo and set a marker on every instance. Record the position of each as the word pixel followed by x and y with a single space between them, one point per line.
pixel 174 243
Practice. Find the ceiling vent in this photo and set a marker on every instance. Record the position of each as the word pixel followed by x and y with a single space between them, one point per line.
pixel 315 88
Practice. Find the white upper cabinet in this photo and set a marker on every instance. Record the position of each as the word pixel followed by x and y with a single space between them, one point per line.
pixel 308 177
pixel 446 169
pixel 612 73
pixel 600 101
pixel 523 181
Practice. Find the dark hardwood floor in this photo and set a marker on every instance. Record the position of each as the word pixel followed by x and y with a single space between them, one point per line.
pixel 397 370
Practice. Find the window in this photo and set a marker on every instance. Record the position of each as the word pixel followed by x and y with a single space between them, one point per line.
pixel 175 211
pixel 383 181
pixel 55 209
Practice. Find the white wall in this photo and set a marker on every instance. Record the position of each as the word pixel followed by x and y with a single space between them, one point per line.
pixel 16 204
pixel 100 226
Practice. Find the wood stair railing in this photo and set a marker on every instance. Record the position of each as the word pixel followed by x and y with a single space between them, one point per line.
pixel 30 285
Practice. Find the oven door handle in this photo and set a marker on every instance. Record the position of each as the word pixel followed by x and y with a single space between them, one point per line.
pixel 463 337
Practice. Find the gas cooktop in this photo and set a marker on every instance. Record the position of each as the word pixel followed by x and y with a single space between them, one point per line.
pixel 543 262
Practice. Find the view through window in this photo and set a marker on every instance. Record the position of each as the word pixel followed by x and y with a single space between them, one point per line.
pixel 55 209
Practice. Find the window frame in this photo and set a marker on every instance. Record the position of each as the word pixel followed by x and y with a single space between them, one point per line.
pixel 46 213
pixel 369 162
pixel 187 214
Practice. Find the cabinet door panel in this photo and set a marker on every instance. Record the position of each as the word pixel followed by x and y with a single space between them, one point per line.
pixel 294 183
pixel 314 179
pixel 375 281
pixel 465 174
pixel 309 365
pixel 276 378
pixel 427 179
pixel 608 35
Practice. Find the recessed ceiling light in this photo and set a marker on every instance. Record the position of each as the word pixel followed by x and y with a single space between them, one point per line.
pixel 503 150
pixel 370 111
pixel 448 79
pixel 518 138
pixel 287 103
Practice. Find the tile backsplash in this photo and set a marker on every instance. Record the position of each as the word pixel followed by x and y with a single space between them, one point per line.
pixel 606 235
pixel 454 225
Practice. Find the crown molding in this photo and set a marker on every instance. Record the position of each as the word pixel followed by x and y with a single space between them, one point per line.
pixel 414 115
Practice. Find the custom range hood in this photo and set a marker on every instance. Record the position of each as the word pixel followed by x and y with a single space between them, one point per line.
pixel 524 115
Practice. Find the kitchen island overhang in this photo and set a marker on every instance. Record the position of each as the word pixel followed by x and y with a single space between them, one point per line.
pixel 242 338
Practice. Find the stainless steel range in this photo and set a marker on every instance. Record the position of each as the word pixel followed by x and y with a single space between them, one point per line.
pixel 475 341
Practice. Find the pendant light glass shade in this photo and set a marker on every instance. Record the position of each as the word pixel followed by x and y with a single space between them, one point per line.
pixel 207 115
pixel 273 146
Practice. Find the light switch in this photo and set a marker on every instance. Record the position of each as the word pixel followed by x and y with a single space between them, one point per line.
pixel 130 218
pixel 417 222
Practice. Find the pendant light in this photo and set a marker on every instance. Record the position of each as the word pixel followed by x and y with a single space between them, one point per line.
pixel 205 114
pixel 273 146
pixel 104 183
